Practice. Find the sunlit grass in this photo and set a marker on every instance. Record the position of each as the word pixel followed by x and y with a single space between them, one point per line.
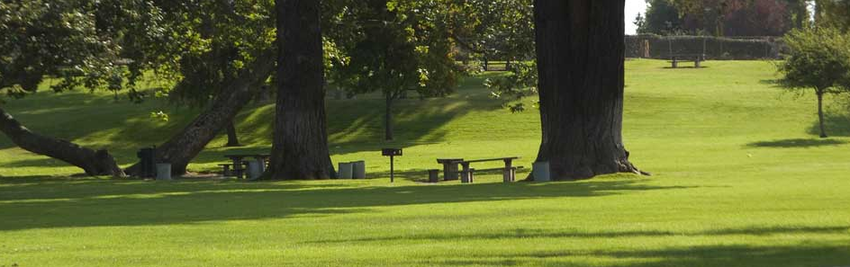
pixel 739 179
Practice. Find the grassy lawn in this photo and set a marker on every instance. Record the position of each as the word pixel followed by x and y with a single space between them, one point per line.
pixel 739 179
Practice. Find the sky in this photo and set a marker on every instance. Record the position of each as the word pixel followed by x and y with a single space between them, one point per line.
pixel 633 7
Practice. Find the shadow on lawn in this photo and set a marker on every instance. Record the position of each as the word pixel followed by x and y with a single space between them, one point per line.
pixel 805 254
pixel 31 203
pixel 534 233
pixel 351 123
pixel 836 125
pixel 685 67
pixel 798 143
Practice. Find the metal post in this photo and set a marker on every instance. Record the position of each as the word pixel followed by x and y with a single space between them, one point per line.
pixel 392 169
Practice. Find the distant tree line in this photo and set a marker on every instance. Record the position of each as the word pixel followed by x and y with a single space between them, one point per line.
pixel 723 17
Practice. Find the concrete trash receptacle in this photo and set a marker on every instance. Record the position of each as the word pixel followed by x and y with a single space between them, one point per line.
pixel 540 171
pixel 358 169
pixel 163 171
pixel 255 169
pixel 346 170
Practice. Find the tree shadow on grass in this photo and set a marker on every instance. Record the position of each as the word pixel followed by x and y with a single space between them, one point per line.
pixel 836 125
pixel 686 67
pixel 35 203
pixel 805 254
pixel 574 234
pixel 771 82
pixel 797 143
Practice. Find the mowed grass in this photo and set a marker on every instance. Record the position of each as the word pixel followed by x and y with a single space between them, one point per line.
pixel 739 179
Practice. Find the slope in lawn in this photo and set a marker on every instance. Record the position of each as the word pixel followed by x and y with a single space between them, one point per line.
pixel 739 180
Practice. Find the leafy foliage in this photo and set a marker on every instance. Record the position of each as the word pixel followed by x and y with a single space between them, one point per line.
pixel 519 83
pixel 661 18
pixel 394 46
pixel 76 40
pixel 819 58
pixel 731 17
pixel 834 14
pixel 222 36
pixel 495 29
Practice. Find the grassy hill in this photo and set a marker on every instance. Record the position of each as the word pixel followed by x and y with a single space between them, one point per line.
pixel 739 179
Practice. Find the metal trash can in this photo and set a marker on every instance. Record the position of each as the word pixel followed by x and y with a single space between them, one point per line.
pixel 255 169
pixel 433 176
pixel 147 164
pixel 346 170
pixel 163 171
pixel 358 169
pixel 540 171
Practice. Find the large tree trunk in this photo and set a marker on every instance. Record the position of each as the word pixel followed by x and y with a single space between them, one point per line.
pixel 93 162
pixel 185 145
pixel 232 137
pixel 388 118
pixel 300 148
pixel 580 57
pixel 820 114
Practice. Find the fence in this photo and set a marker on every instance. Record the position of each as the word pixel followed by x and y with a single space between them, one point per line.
pixel 663 47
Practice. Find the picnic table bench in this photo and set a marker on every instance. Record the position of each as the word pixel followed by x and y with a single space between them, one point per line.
pixel 239 166
pixel 696 58
pixel 467 174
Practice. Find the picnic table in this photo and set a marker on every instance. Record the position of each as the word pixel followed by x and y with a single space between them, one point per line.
pixel 468 173
pixel 450 167
pixel 238 163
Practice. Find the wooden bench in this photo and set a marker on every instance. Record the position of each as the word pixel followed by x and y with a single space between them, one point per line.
pixel 508 175
pixel 467 174
pixel 696 58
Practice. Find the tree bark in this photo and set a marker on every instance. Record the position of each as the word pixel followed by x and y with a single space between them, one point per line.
pixel 185 145
pixel 801 13
pixel 300 147
pixel 580 55
pixel 820 115
pixel 388 118
pixel 93 162
pixel 232 138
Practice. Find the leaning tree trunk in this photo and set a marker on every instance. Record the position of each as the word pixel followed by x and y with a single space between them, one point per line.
pixel 300 148
pixel 232 137
pixel 93 162
pixel 580 57
pixel 185 145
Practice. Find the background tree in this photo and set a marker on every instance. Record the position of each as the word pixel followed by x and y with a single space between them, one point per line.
pixel 799 10
pixel 661 18
pixel 819 59
pixel 84 43
pixel 833 14
pixel 580 57
pixel 230 30
pixel 395 47
pixel 300 148
pixel 734 17
pixel 493 29
pixel 224 58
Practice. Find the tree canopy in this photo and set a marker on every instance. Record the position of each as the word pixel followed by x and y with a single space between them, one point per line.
pixel 725 17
